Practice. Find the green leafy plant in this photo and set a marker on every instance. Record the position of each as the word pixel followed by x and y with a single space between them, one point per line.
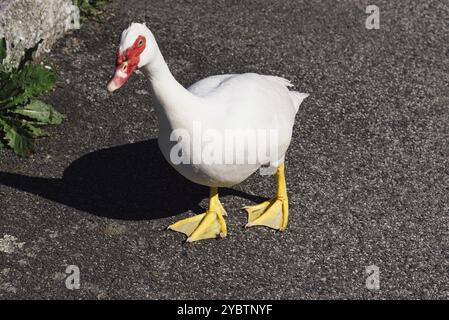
pixel 90 8
pixel 22 115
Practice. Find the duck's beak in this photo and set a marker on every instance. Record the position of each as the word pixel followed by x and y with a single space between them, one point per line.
pixel 122 73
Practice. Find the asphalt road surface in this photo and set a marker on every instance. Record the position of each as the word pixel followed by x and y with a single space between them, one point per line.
pixel 367 169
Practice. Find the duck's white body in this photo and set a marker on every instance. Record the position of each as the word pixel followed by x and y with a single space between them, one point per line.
pixel 210 117
pixel 225 102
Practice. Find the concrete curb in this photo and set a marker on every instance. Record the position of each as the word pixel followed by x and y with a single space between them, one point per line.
pixel 24 22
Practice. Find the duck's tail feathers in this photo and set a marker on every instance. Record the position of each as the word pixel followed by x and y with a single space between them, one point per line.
pixel 281 81
pixel 297 98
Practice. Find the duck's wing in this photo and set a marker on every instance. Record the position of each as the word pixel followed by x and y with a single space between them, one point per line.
pixel 206 85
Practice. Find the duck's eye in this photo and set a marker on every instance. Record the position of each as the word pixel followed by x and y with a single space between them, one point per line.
pixel 124 66
pixel 140 43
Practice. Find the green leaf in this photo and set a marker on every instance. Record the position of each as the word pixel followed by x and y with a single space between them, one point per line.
pixel 33 130
pixel 16 138
pixel 2 50
pixel 35 79
pixel 90 8
pixel 8 87
pixel 11 94
pixel 20 114
pixel 41 112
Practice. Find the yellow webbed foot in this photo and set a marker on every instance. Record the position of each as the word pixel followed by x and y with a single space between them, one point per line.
pixel 202 226
pixel 210 224
pixel 272 214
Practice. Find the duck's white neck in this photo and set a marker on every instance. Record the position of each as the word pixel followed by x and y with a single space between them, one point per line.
pixel 177 104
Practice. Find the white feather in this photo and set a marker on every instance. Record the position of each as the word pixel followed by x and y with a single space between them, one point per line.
pixel 222 102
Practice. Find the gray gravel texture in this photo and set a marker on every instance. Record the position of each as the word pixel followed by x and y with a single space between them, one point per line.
pixel 367 170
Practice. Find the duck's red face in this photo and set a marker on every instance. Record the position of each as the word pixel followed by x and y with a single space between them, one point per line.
pixel 126 63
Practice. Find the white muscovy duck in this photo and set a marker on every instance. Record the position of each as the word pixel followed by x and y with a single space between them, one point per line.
pixel 225 104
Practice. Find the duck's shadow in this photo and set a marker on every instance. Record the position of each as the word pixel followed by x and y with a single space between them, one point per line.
pixel 130 182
